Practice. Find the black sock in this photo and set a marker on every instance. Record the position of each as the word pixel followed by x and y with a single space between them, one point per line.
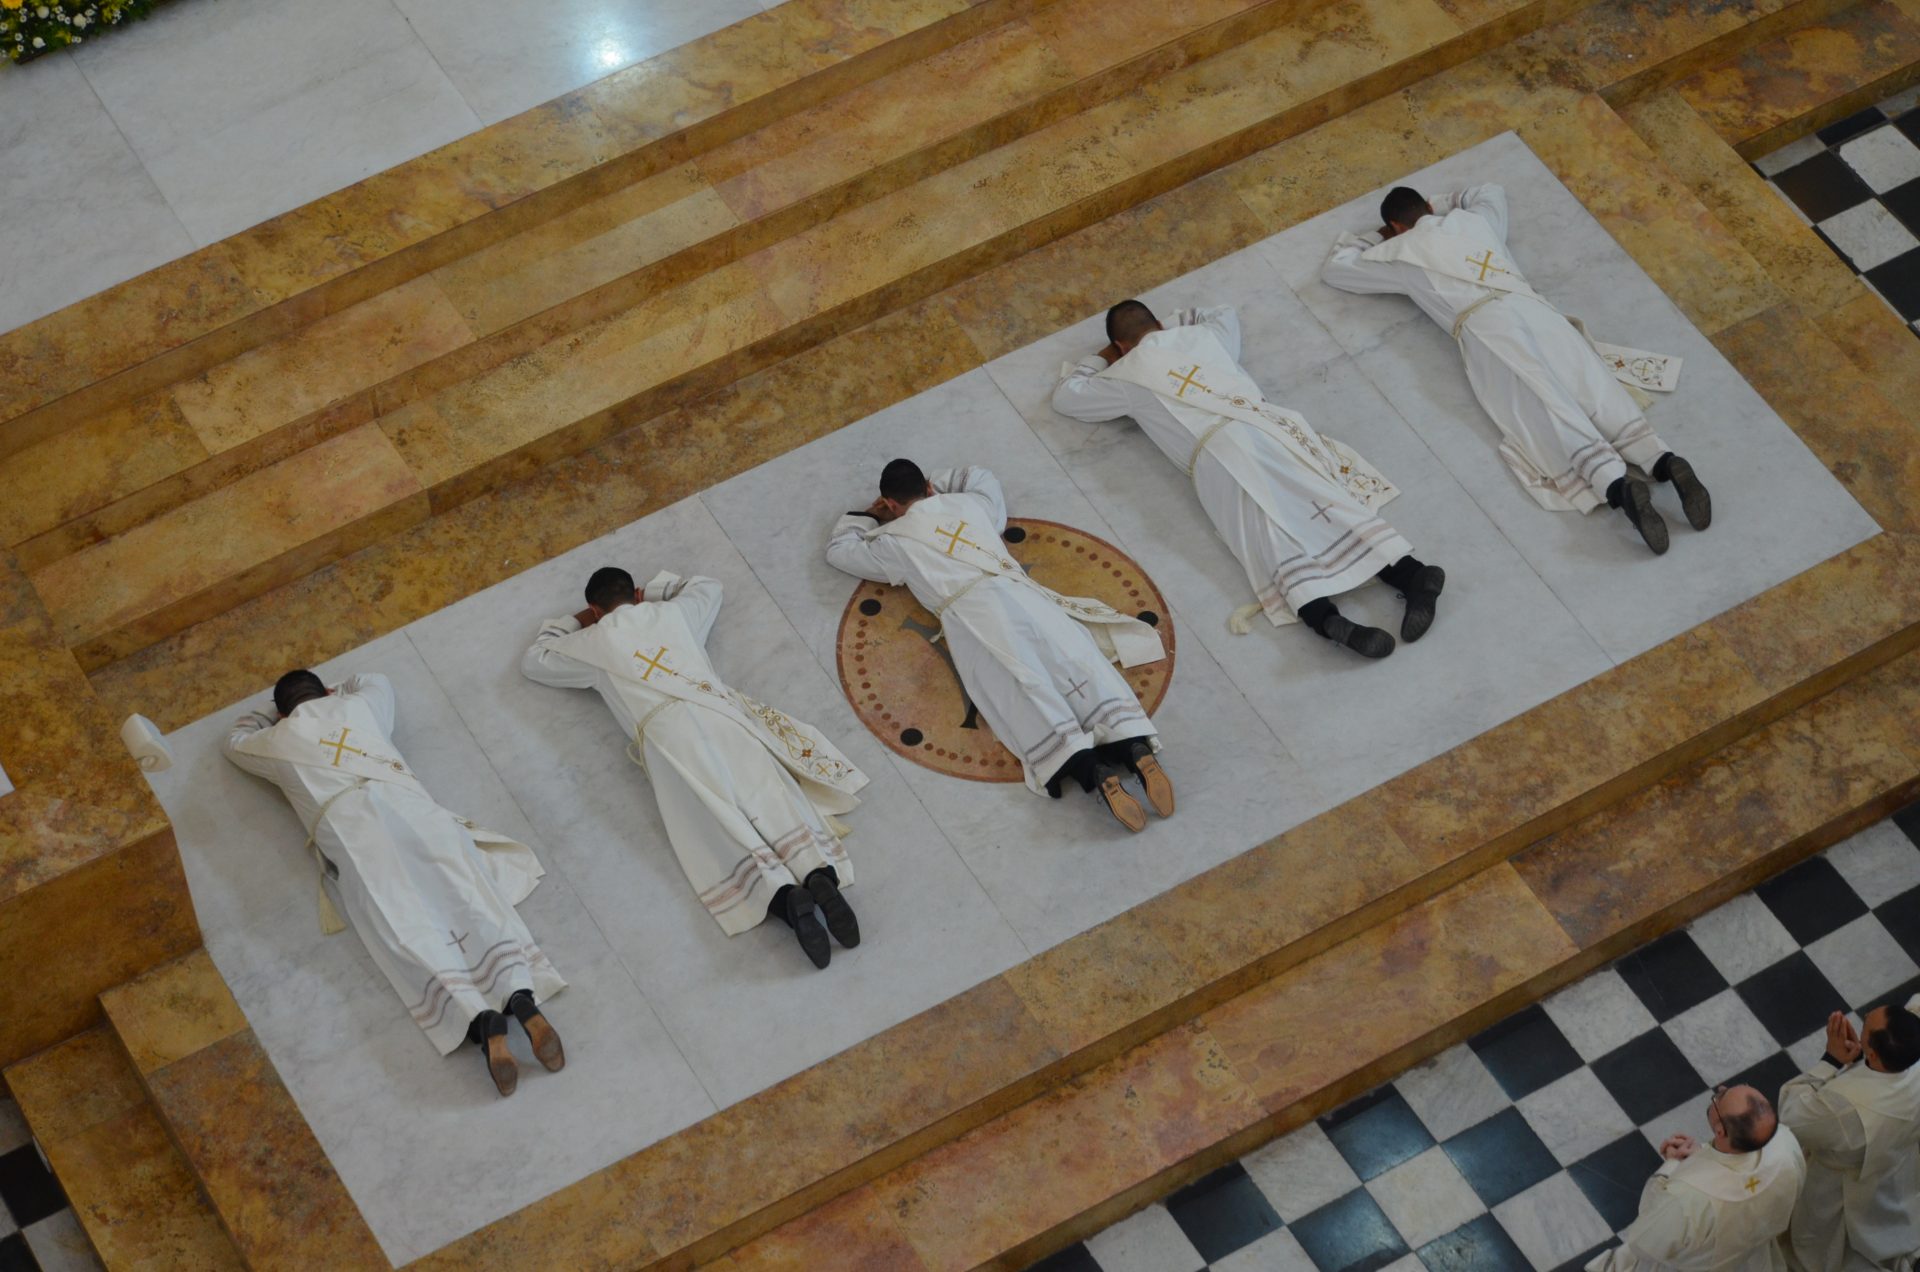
pixel 777 908
pixel 1080 767
pixel 1616 492
pixel 1402 574
pixel 477 1029
pixel 1662 469
pixel 1122 754
pixel 833 876
pixel 1315 614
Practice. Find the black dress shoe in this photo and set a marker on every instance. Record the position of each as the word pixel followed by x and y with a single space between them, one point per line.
pixel 489 1030
pixel 840 918
pixel 1637 502
pixel 1694 499
pixel 1422 601
pixel 797 908
pixel 1368 642
pixel 544 1037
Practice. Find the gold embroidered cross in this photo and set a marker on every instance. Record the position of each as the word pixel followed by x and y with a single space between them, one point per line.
pixel 1486 264
pixel 1187 383
pixel 954 539
pixel 1753 1183
pixel 340 746
pixel 653 663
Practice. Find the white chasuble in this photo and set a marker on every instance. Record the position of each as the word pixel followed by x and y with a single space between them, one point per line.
pixel 1039 666
pixel 1568 422
pixel 430 894
pixel 1714 1212
pixel 747 793
pixel 1298 508
pixel 1861 1130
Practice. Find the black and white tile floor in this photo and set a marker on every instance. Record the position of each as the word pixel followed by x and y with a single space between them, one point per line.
pixel 1857 183
pixel 38 1232
pixel 1525 1148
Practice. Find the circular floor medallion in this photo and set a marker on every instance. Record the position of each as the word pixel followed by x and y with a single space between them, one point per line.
pixel 902 684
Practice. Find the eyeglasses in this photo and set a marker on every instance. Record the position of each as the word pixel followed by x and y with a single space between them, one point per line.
pixel 1719 1092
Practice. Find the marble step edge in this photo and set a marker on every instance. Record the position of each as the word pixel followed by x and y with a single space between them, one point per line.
pixel 1204 1079
pixel 82 525
pixel 1164 963
pixel 235 1125
pixel 1792 16
pixel 131 1190
pixel 96 648
pixel 178 319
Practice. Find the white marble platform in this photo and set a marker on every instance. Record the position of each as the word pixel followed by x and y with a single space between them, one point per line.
pixel 165 135
pixel 667 1020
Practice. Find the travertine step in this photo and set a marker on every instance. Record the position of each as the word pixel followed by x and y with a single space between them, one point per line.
pixel 234 1123
pixel 1809 77
pixel 1089 1152
pixel 132 1191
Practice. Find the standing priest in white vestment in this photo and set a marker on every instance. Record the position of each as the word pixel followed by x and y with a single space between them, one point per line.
pixel 749 795
pixel 1722 1206
pixel 1570 427
pixel 1297 509
pixel 1038 665
pixel 1857 1113
pixel 430 893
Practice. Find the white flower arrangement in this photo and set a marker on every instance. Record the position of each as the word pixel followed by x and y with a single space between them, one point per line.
pixel 33 30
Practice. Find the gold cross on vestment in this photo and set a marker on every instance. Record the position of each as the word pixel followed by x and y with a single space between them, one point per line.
pixel 1486 264
pixel 1753 1183
pixel 1186 383
pixel 653 663
pixel 954 539
pixel 340 746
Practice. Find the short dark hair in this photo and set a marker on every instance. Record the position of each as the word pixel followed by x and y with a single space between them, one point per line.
pixel 901 480
pixel 294 688
pixel 1129 320
pixel 1403 206
pixel 610 586
pixel 1897 1044
pixel 1751 1130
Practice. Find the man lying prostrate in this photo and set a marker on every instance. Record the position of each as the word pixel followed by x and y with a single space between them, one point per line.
pixel 430 893
pixel 1571 427
pixel 1296 508
pixel 1038 665
pixel 749 795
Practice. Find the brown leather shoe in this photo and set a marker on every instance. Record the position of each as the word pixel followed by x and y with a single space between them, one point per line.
pixel 493 1047
pixel 1158 785
pixel 1125 808
pixel 544 1037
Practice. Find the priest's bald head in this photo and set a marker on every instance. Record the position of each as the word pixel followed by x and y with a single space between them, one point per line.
pixel 1890 1039
pixel 1401 209
pixel 1742 1119
pixel 1127 322
pixel 608 589
pixel 294 688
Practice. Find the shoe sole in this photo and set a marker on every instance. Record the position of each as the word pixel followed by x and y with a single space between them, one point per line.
pixel 841 923
pixel 813 940
pixel 1695 502
pixel 1418 622
pixel 500 1066
pixel 1651 525
pixel 1369 642
pixel 546 1043
pixel 1125 808
pixel 1157 784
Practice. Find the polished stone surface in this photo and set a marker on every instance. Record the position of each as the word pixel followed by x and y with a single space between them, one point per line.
pixel 1015 875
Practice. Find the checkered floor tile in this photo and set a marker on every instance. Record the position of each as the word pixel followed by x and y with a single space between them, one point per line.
pixel 1857 183
pixel 38 1232
pixel 1526 1147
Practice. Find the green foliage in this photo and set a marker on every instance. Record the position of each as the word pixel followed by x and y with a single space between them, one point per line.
pixel 31 28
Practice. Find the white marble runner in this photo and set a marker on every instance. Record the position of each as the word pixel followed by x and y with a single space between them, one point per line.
pixel 666 1019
